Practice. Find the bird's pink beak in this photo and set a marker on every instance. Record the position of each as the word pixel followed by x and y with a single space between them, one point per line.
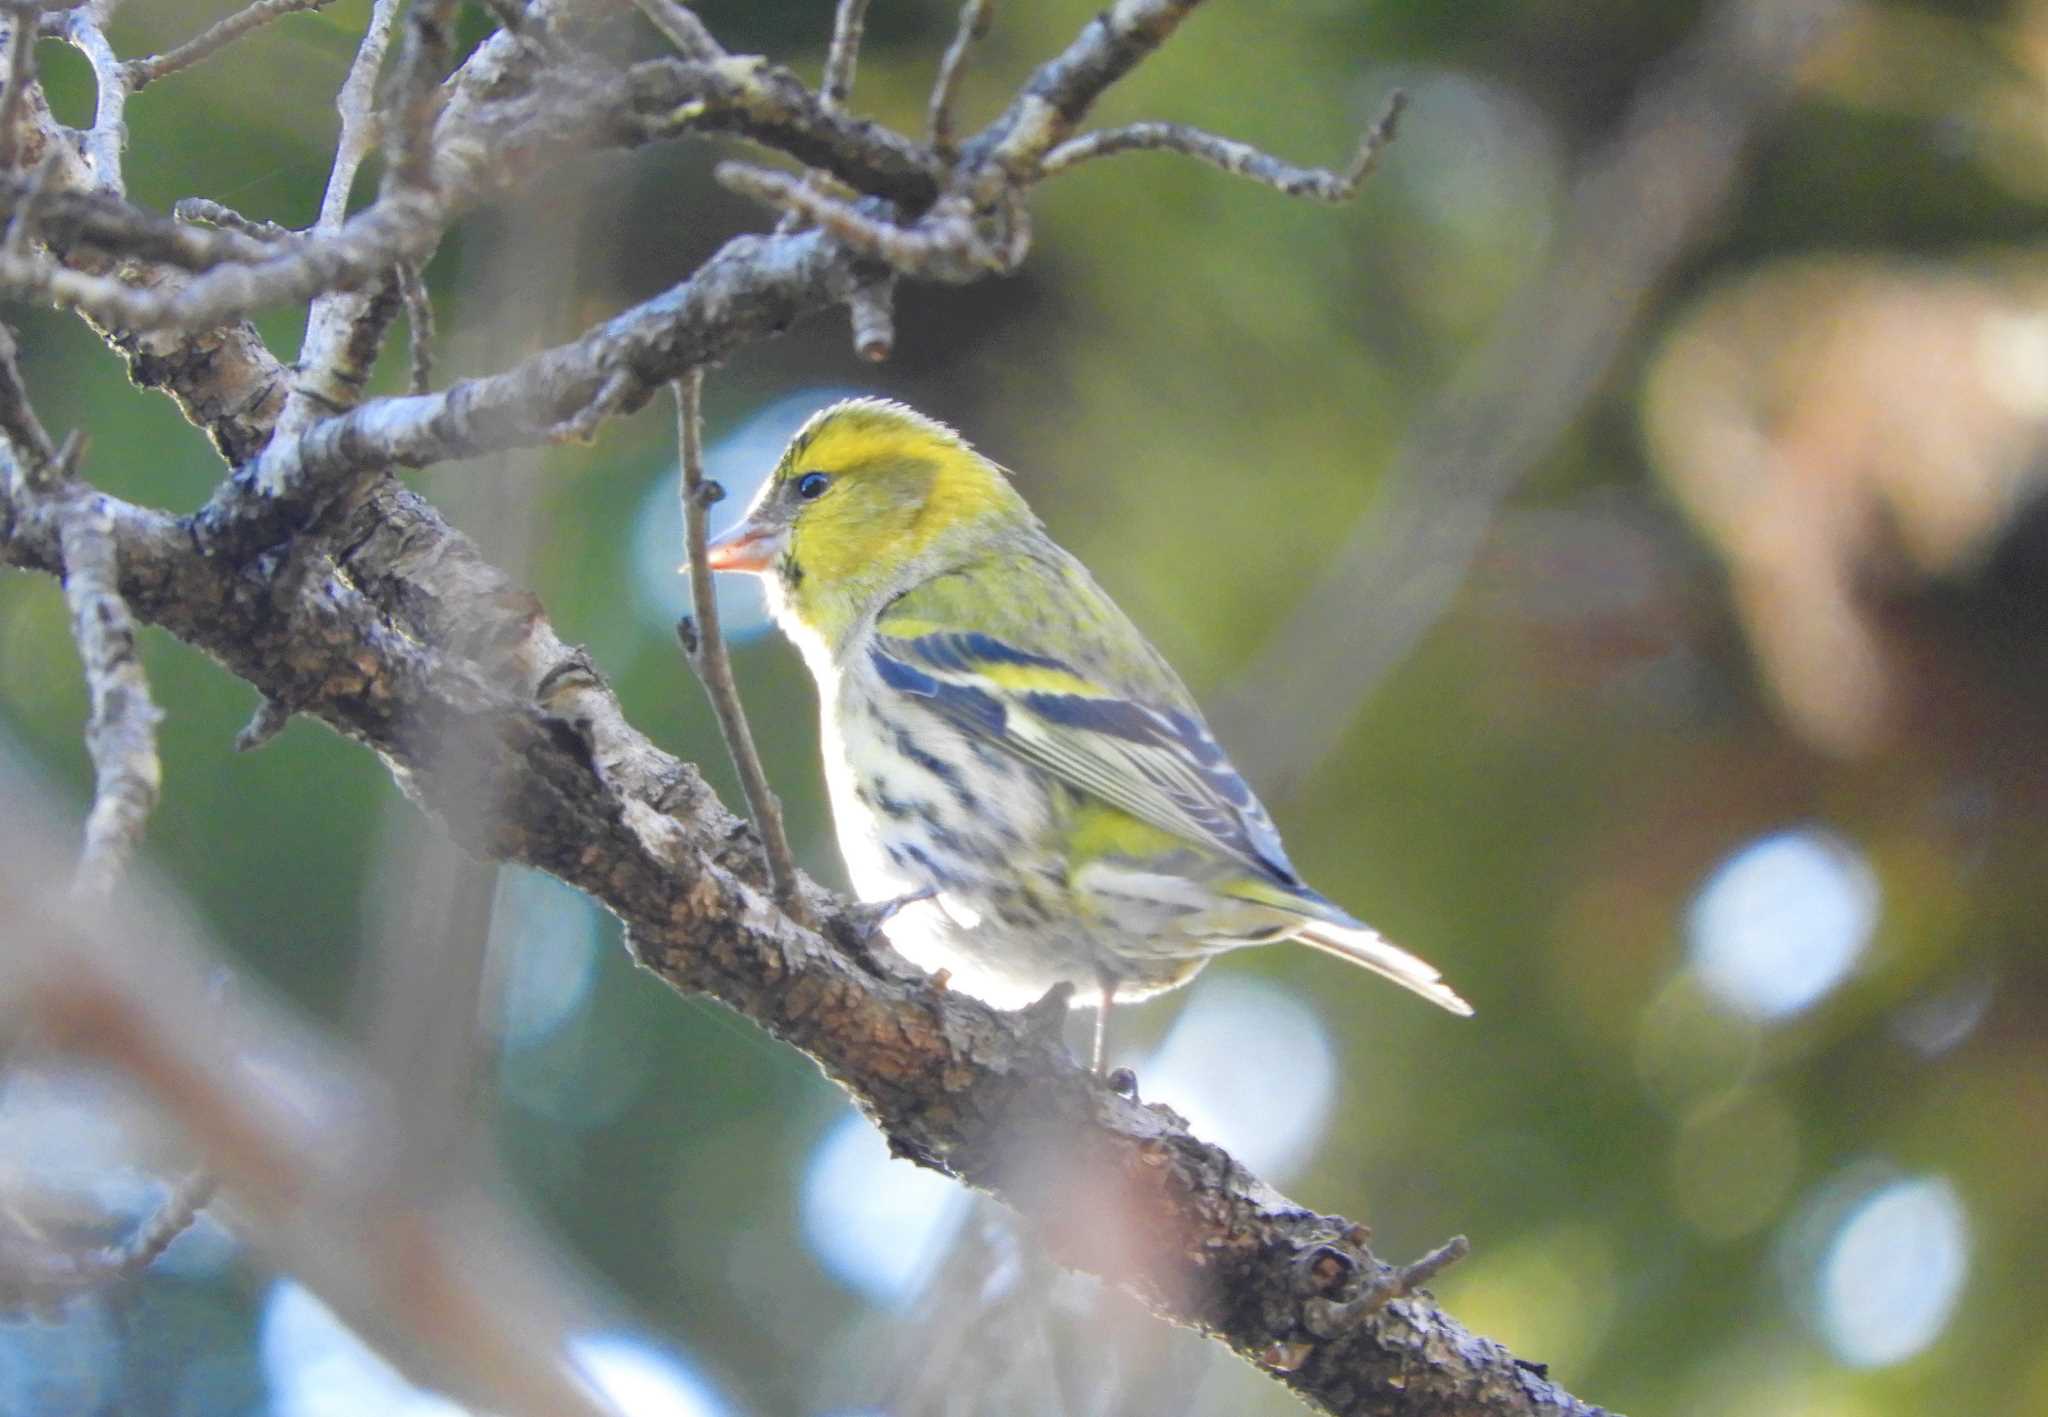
pixel 746 547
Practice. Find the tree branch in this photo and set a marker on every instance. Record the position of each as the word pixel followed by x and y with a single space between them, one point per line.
pixel 984 1096
pixel 208 42
pixel 704 646
pixel 849 23
pixel 974 22
pixel 1316 183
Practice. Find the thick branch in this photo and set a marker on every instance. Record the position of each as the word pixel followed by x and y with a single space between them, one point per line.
pixel 981 1095
pixel 753 288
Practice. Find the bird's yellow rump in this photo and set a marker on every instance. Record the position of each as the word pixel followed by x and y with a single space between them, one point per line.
pixel 1002 742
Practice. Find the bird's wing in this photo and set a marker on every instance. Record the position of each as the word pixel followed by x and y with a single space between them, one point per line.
pixel 1105 715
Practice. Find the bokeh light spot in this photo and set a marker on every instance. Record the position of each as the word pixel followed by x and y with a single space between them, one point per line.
pixel 1250 1065
pixel 544 943
pixel 1782 921
pixel 1937 1022
pixel 317 1367
pixel 643 1379
pixel 1890 1277
pixel 877 1223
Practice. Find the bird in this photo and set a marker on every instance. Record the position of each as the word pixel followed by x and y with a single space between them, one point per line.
pixel 1020 784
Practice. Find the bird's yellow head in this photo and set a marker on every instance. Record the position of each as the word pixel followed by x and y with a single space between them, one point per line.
pixel 869 498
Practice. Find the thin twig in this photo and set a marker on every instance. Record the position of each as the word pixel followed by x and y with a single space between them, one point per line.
pixel 171 1219
pixel 944 245
pixel 419 324
pixel 680 26
pixel 211 213
pixel 35 455
pixel 423 59
pixel 974 22
pixel 23 26
pixel 108 135
pixel 849 23
pixel 25 221
pixel 1327 1318
pixel 871 308
pixel 1318 184
pixel 265 723
pixel 339 346
pixel 704 646
pixel 121 731
pixel 356 104
pixel 38 1272
pixel 210 41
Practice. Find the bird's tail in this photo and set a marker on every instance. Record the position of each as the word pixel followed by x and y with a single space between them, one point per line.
pixel 1363 946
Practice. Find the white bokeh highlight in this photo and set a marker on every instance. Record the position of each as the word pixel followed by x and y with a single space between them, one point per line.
pixel 1251 1066
pixel 644 1380
pixel 1891 1275
pixel 877 1223
pixel 317 1367
pixel 1248 1063
pixel 1782 921
pixel 544 945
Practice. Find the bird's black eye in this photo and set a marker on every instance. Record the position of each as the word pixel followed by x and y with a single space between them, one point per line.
pixel 811 486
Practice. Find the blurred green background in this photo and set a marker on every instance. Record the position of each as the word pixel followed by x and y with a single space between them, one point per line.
pixel 1721 786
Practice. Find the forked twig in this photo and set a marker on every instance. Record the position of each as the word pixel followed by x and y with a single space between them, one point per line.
pixel 108 136
pixel 680 26
pixel 416 91
pixel 704 646
pixel 849 23
pixel 974 21
pixel 1317 184
pixel 945 245
pixel 210 41
pixel 211 213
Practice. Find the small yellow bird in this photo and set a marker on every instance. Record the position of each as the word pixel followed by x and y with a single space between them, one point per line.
pixel 1005 753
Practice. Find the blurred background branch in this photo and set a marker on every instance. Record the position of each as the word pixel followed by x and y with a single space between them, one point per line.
pixel 1640 201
